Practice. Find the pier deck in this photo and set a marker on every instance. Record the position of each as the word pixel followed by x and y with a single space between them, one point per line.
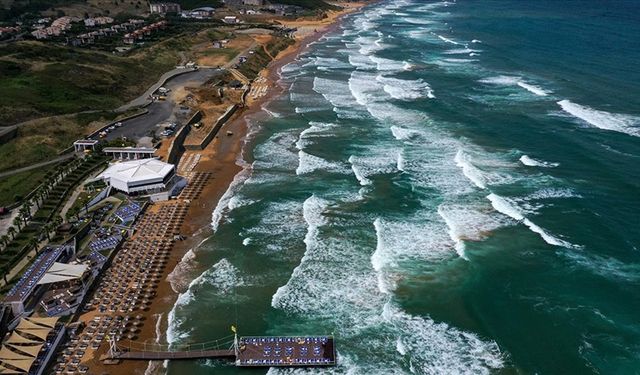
pixel 286 351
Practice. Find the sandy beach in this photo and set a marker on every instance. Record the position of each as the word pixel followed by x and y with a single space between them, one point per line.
pixel 222 158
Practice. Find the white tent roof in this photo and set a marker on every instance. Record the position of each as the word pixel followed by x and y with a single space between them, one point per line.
pixel 138 170
pixel 62 271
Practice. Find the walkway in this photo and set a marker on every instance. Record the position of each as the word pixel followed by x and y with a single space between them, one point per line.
pixel 151 355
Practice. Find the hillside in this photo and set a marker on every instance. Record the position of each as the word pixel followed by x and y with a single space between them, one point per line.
pixel 40 79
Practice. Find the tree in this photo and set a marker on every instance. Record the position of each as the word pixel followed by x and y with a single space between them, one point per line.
pixel 47 230
pixel 18 222
pixel 12 231
pixel 5 240
pixel 5 271
pixel 33 243
pixel 24 214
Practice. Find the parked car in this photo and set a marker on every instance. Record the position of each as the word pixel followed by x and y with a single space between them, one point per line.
pixel 118 124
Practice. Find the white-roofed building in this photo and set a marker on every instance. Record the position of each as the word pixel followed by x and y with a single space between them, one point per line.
pixel 63 272
pixel 142 177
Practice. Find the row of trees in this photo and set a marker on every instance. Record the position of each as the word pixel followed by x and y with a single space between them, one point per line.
pixel 37 200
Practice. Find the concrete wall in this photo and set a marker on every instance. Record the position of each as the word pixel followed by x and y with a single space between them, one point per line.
pixel 173 156
pixel 216 128
pixel 8 133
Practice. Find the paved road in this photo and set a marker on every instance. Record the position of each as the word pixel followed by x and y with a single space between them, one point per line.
pixel 162 111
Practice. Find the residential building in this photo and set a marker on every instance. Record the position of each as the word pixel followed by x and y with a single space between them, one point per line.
pixel 162 8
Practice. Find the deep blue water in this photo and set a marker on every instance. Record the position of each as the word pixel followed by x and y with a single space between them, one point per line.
pixel 447 188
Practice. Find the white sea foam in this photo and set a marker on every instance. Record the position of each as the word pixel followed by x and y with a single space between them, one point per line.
pixel 467 223
pixel 220 279
pixel 375 163
pixel 532 88
pixel 336 271
pixel 329 62
pixel 448 40
pixel 312 211
pixel 509 208
pixel 334 91
pixel 473 173
pixel 462 51
pixel 604 120
pixel 308 163
pixel 515 81
pixel 406 89
pixel 550 193
pixel 530 162
pixel 383 64
pixel 223 203
pixel 401 162
pixel 270 112
pixel 316 129
pixel 404 134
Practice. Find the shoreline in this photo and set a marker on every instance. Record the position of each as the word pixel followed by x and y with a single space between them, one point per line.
pixel 225 160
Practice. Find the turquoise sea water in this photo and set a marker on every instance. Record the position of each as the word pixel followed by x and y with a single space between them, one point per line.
pixel 448 187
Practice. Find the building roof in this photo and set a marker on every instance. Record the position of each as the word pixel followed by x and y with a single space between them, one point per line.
pixel 63 272
pixel 149 150
pixel 30 278
pixel 138 170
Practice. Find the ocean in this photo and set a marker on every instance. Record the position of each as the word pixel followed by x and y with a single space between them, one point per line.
pixel 447 187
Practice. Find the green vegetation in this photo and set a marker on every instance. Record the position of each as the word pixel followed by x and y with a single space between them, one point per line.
pixel 28 230
pixel 29 7
pixel 42 79
pixel 80 205
pixel 16 187
pixel 278 44
pixel 256 62
pixel 308 4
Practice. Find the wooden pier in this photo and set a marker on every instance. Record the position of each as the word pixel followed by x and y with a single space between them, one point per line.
pixel 254 351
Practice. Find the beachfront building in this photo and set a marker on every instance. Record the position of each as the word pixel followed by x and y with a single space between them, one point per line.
pixel 150 177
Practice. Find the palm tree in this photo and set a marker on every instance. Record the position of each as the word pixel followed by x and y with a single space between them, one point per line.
pixel 39 197
pixel 4 269
pixel 24 214
pixel 33 243
pixel 12 231
pixel 47 230
pixel 18 222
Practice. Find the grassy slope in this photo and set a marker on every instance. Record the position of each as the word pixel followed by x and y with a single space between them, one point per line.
pixel 20 184
pixel 41 80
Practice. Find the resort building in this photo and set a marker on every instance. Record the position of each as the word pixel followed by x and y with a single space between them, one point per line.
pixel 142 177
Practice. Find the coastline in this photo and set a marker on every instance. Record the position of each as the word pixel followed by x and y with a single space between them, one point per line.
pixel 224 159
